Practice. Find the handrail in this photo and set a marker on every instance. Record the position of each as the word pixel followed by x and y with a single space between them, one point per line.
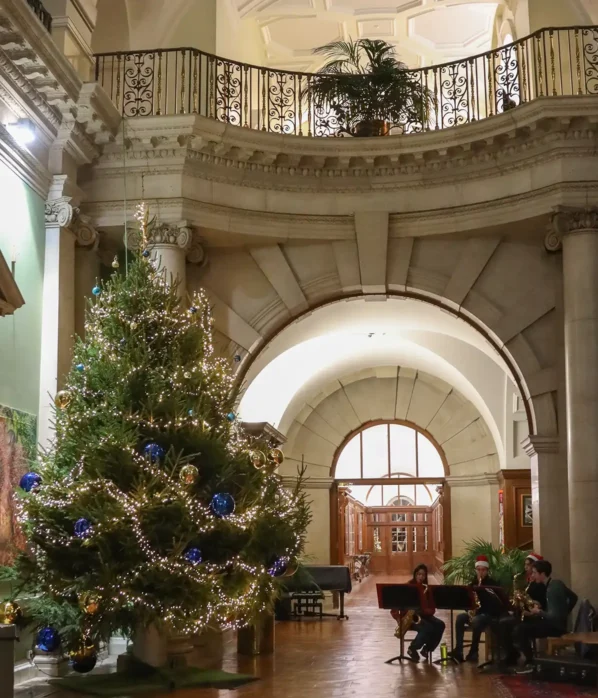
pixel 551 62
pixel 44 16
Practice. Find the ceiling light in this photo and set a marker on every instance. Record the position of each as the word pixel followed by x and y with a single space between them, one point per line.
pixel 23 131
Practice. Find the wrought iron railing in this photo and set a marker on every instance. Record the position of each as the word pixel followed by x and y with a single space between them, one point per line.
pixel 550 62
pixel 44 16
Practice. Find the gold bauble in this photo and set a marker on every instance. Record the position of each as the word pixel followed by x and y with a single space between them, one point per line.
pixel 133 325
pixel 115 263
pixel 258 459
pixel 275 455
pixel 62 399
pixel 189 474
pixel 187 375
pixel 89 602
pixel 10 612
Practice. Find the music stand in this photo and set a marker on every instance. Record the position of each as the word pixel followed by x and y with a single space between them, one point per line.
pixel 399 597
pixel 452 598
pixel 498 601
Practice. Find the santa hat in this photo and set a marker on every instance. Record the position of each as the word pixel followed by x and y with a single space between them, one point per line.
pixel 534 557
pixel 481 561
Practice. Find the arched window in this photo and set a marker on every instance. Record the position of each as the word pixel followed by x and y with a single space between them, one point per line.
pixel 393 451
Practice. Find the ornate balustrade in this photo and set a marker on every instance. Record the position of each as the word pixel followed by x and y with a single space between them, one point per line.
pixel 44 16
pixel 549 63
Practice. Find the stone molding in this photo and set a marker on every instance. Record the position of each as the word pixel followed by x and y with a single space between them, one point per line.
pixel 180 235
pixel 569 220
pixel 61 213
pixel 472 480
pixel 535 444
pixel 219 152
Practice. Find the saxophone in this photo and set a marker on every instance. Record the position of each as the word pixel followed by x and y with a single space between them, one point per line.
pixel 521 600
pixel 473 612
pixel 405 621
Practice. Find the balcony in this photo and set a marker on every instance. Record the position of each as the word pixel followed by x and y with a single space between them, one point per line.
pixel 552 62
pixel 44 16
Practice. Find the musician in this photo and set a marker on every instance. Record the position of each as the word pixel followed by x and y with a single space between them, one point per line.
pixel 551 622
pixel 533 593
pixel 429 628
pixel 484 615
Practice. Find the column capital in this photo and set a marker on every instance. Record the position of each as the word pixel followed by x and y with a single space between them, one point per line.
pixel 535 444
pixel 567 220
pixel 179 235
pixel 61 213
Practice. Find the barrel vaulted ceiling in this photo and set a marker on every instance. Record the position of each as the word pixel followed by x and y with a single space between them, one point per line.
pixel 424 31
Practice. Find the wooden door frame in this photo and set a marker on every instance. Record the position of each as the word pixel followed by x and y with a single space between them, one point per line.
pixel 334 522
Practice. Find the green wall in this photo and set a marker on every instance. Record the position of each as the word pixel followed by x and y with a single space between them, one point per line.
pixel 22 233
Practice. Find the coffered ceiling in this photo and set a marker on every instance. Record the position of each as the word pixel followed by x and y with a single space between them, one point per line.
pixel 424 31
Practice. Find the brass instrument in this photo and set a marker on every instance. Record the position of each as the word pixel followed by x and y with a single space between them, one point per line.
pixel 522 602
pixel 404 622
pixel 403 625
pixel 473 612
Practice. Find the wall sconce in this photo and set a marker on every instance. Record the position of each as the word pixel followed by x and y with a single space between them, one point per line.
pixel 23 131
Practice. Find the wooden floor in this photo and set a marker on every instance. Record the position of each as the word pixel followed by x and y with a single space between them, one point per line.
pixel 330 658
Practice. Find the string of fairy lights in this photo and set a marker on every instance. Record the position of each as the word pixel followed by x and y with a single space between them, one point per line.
pixel 205 384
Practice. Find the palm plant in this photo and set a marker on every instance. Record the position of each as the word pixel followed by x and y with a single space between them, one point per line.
pixel 505 565
pixel 368 89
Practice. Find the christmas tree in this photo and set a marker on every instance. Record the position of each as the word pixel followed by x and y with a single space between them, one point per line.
pixel 152 506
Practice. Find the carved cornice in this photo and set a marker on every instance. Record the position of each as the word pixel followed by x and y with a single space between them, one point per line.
pixel 567 220
pixel 179 235
pixel 218 152
pixel 478 480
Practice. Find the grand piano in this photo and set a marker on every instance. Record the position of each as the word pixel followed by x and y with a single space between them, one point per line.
pixel 304 589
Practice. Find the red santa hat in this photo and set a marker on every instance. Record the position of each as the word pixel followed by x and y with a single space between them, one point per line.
pixel 482 561
pixel 534 557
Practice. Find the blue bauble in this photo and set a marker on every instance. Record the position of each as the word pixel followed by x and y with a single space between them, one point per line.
pixel 146 253
pixel 231 416
pixel 278 567
pixel 237 358
pixel 80 367
pixel 29 481
pixel 96 290
pixel 193 555
pixel 82 528
pixel 48 639
pixel 154 452
pixel 222 505
pixel 192 310
pixel 190 413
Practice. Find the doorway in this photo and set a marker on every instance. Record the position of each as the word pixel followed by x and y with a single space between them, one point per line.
pixel 397 509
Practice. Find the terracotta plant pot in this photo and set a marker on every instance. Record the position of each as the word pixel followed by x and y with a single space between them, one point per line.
pixel 257 638
pixel 369 129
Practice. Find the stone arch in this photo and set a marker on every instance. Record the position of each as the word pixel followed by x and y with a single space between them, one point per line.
pixel 325 423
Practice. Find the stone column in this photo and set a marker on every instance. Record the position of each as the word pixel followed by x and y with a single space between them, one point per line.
pixel 65 228
pixel 549 501
pixel 576 231
pixel 171 245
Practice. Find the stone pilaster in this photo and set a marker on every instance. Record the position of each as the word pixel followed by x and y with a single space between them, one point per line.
pixel 66 228
pixel 576 230
pixel 549 501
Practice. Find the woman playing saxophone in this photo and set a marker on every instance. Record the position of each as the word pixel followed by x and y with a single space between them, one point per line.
pixel 429 628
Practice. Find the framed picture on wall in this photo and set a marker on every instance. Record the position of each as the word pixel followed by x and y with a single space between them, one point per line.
pixel 527 515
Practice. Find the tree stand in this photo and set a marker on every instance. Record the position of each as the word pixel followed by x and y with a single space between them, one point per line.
pixel 157 648
pixel 257 638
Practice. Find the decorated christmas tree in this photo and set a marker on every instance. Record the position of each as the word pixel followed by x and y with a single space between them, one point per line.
pixel 152 507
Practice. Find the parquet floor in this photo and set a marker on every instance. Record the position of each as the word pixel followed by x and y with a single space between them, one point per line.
pixel 330 659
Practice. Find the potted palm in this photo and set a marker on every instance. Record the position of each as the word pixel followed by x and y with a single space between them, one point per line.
pixel 505 564
pixel 368 89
